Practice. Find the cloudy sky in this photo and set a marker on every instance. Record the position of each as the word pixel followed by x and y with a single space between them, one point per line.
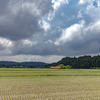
pixel 48 30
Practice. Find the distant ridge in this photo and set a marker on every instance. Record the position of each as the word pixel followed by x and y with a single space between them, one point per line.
pixel 21 63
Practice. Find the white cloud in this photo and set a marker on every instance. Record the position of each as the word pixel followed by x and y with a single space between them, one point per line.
pixel 93 28
pixel 93 11
pixel 69 33
pixel 46 26
pixel 57 3
pixel 43 24
pixel 81 1
pixel 51 15
pixel 5 42
pixel 29 43
pixel 5 46
pixel 79 14
pixel 49 41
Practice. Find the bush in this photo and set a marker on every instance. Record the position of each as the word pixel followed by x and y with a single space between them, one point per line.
pixel 67 67
pixel 64 67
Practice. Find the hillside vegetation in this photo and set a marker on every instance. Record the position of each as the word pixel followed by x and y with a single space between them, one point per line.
pixel 82 62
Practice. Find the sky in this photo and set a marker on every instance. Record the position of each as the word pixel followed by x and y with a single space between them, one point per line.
pixel 48 30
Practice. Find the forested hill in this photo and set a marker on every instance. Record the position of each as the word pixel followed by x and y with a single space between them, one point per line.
pixel 21 63
pixel 86 62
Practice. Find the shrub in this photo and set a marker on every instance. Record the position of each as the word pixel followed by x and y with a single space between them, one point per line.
pixel 64 67
pixel 67 67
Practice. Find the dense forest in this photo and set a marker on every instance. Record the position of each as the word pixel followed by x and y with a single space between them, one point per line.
pixel 84 62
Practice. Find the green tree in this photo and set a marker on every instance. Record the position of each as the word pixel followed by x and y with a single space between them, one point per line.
pixel 60 65
pixel 64 67
pixel 67 67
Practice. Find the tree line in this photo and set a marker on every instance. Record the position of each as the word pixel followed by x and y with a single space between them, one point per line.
pixel 82 62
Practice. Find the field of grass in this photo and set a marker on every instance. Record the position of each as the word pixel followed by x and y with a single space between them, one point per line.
pixel 49 84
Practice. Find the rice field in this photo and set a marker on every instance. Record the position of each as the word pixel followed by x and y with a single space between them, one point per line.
pixel 49 84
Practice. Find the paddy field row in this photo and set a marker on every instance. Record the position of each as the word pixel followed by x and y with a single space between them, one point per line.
pixel 47 84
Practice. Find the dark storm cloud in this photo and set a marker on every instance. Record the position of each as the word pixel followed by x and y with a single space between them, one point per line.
pixel 4 7
pixel 2 47
pixel 35 49
pixel 19 19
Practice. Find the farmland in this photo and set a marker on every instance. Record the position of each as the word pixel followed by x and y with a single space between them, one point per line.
pixel 49 84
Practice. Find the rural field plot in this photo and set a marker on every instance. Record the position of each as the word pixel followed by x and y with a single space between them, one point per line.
pixel 46 84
